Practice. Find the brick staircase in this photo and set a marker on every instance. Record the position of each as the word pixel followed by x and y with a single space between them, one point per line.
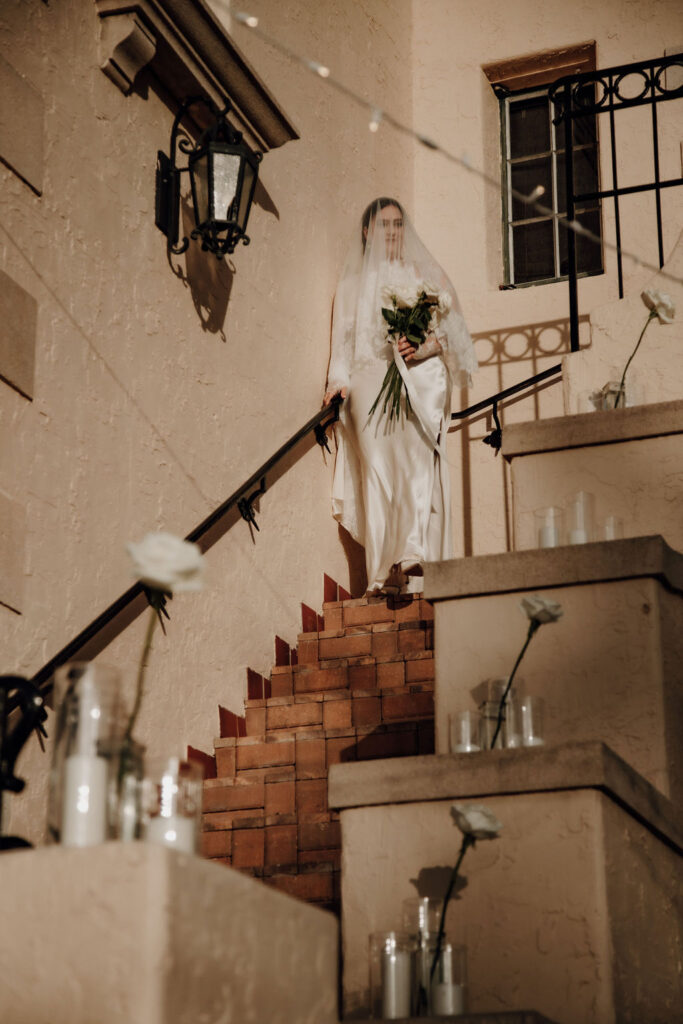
pixel 359 685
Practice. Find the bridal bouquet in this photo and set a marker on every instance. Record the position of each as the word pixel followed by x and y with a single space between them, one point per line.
pixel 416 310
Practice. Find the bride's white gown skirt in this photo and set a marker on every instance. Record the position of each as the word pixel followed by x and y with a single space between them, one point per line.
pixel 391 487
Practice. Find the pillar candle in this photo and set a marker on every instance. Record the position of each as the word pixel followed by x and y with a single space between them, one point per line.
pixel 175 831
pixel 395 984
pixel 84 802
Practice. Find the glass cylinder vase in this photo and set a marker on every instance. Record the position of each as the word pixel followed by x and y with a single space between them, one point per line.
pixel 172 803
pixel 549 526
pixel 87 701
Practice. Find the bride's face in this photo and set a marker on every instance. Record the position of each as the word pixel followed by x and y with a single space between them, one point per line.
pixel 390 221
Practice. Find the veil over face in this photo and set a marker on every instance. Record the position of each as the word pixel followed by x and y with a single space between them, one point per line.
pixel 391 486
pixel 384 251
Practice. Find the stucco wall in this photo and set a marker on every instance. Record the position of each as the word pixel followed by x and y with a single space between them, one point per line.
pixel 155 397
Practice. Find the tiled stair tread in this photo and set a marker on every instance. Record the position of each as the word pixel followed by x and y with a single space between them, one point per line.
pixel 593 428
pixel 343 694
pixel 633 557
pixel 588 764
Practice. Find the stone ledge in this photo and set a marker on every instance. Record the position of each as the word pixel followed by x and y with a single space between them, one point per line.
pixel 593 428
pixel 142 934
pixel 599 562
pixel 587 765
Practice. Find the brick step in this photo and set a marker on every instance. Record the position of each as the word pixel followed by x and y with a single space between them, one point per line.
pixel 342 709
pixel 300 754
pixel 369 610
pixel 377 640
pixel 359 673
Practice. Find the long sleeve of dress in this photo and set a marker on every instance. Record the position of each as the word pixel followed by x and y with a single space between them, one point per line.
pixel 343 331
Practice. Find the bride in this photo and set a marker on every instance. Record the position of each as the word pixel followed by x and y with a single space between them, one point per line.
pixel 391 488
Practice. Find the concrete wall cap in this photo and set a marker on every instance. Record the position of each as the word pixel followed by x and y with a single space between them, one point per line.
pixel 572 565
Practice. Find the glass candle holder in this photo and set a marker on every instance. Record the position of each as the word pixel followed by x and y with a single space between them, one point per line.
pixel 509 735
pixel 448 983
pixel 172 803
pixel 581 518
pixel 391 975
pixel 613 528
pixel 87 731
pixel 421 920
pixel 549 526
pixel 463 732
pixel 532 714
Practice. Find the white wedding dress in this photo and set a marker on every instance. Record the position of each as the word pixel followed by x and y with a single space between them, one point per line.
pixel 391 485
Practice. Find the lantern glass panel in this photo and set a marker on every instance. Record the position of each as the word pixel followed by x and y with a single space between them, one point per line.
pixel 247 190
pixel 226 171
pixel 200 188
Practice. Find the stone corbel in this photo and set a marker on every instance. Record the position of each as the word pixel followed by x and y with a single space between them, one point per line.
pixel 126 46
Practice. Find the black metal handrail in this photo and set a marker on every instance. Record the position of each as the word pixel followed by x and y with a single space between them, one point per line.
pixel 114 619
pixel 122 612
pixel 574 98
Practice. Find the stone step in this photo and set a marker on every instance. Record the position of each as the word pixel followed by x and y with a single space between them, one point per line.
pixel 569 909
pixel 364 611
pixel 342 709
pixel 630 459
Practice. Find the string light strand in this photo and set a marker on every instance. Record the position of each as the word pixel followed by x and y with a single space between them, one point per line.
pixel 463 161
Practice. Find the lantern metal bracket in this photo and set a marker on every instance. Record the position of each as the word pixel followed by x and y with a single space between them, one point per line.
pixel 167 206
pixel 246 505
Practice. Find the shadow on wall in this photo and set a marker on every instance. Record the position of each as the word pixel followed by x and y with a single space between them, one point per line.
pixel 209 279
pixel 503 349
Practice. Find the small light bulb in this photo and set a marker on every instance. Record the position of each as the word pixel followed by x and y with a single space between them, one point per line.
pixel 245 19
pixel 375 120
pixel 536 193
pixel 322 71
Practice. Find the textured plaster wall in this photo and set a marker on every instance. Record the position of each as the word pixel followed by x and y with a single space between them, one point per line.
pixel 555 913
pixel 460 217
pixel 601 669
pixel 157 393
pixel 534 922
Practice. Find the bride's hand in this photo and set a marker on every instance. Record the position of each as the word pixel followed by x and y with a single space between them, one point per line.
pixel 329 395
pixel 406 348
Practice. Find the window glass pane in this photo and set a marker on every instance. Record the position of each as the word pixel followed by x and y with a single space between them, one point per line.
pixel 525 176
pixel 529 126
pixel 226 168
pixel 588 253
pixel 585 170
pixel 533 251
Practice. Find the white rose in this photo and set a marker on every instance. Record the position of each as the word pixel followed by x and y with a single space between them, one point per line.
pixel 445 303
pixel 476 821
pixel 167 563
pixel 659 303
pixel 540 609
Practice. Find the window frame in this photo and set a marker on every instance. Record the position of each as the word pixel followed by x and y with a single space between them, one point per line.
pixel 556 152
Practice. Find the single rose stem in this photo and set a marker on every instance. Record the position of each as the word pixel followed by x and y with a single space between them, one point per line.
pixel 467 841
pixel 653 314
pixel 151 623
pixel 533 626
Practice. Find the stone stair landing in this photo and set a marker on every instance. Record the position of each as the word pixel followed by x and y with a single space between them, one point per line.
pixel 359 687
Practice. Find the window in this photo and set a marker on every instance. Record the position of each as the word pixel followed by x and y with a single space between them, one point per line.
pixel 533 153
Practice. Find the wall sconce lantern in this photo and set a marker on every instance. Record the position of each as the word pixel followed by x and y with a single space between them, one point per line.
pixel 223 173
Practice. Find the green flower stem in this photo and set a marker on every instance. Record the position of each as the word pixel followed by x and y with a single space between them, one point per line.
pixel 467 841
pixel 653 314
pixel 151 623
pixel 533 626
